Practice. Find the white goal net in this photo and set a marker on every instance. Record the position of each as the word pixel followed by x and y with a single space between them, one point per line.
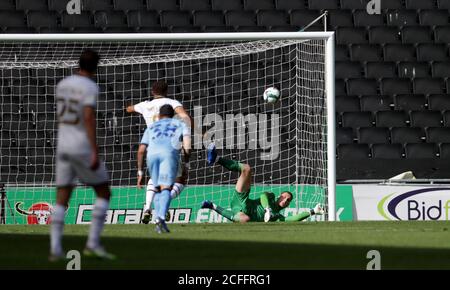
pixel 219 82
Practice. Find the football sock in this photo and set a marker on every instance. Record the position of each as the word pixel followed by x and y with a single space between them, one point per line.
pixel 177 188
pixel 97 223
pixel 225 213
pixel 298 217
pixel 230 164
pixel 57 229
pixel 149 195
pixel 164 202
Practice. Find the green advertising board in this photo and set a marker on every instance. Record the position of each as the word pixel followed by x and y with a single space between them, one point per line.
pixel 33 205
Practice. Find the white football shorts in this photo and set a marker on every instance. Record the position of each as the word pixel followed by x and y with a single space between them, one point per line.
pixel 69 167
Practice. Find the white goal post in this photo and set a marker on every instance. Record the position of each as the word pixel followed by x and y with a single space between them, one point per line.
pixel 311 52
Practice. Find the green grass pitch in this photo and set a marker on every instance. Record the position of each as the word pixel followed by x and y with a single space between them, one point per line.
pixel 252 246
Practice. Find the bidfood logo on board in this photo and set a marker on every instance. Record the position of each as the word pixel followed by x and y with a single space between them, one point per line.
pixel 420 204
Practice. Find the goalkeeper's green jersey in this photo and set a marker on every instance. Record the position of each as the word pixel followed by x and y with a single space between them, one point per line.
pixel 253 207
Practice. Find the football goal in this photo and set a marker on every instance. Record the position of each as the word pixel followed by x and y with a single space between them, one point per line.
pixel 218 77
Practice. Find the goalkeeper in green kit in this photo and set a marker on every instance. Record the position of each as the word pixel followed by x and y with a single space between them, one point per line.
pixel 243 209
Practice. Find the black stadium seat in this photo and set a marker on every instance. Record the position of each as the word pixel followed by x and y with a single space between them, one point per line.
pixel 175 18
pixel 353 151
pixel 111 19
pixel 34 5
pixel 432 52
pixel 391 119
pixel 254 5
pixel 8 5
pixel 416 35
pixel 420 4
pixel 375 103
pixel 421 150
pixel 373 135
pixel 362 87
pixel 399 52
pixel 208 18
pixel 323 4
pixel 380 69
pixel 353 4
pixel 195 5
pixel 357 119
pixel 444 150
pixel 97 5
pixel 166 5
pixel 289 4
pixel 403 135
pixel 383 34
pixel 347 104
pixel 302 17
pixel 413 69
pixel 444 4
pixel 438 135
pixel 339 87
pixel 439 102
pixel 240 18
pixel 56 5
pixel 272 18
pixel 12 19
pixel 143 19
pixel 441 69
pixel 434 17
pixel 340 18
pixel 387 151
pixel 402 18
pixel 426 119
pixel 409 102
pixel 366 52
pixel 39 19
pixel 77 20
pixel 429 86
pixel 350 35
pixel 127 5
pixel 344 135
pixel 441 34
pixel 346 69
pixel 394 86
pixel 362 19
pixel 393 4
pixel 220 5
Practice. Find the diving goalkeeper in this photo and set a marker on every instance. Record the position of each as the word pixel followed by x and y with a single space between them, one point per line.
pixel 244 209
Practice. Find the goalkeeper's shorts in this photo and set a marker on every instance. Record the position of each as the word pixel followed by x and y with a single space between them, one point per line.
pixel 239 201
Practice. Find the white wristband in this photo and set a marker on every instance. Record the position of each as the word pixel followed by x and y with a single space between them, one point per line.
pixel 140 173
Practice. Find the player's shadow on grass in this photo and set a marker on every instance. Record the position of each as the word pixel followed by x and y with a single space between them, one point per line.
pixel 30 252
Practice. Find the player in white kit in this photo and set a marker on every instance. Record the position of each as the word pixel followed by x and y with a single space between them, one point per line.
pixel 150 111
pixel 77 155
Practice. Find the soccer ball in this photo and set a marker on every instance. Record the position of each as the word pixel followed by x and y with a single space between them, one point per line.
pixel 271 95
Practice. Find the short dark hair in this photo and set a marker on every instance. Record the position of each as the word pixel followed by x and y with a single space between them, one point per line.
pixel 89 60
pixel 167 110
pixel 160 88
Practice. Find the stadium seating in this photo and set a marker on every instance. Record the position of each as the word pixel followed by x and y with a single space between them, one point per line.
pixel 288 5
pixel 404 135
pixel 392 70
pixel 387 151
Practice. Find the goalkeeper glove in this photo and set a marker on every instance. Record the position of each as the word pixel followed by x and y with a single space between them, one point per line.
pixel 268 214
